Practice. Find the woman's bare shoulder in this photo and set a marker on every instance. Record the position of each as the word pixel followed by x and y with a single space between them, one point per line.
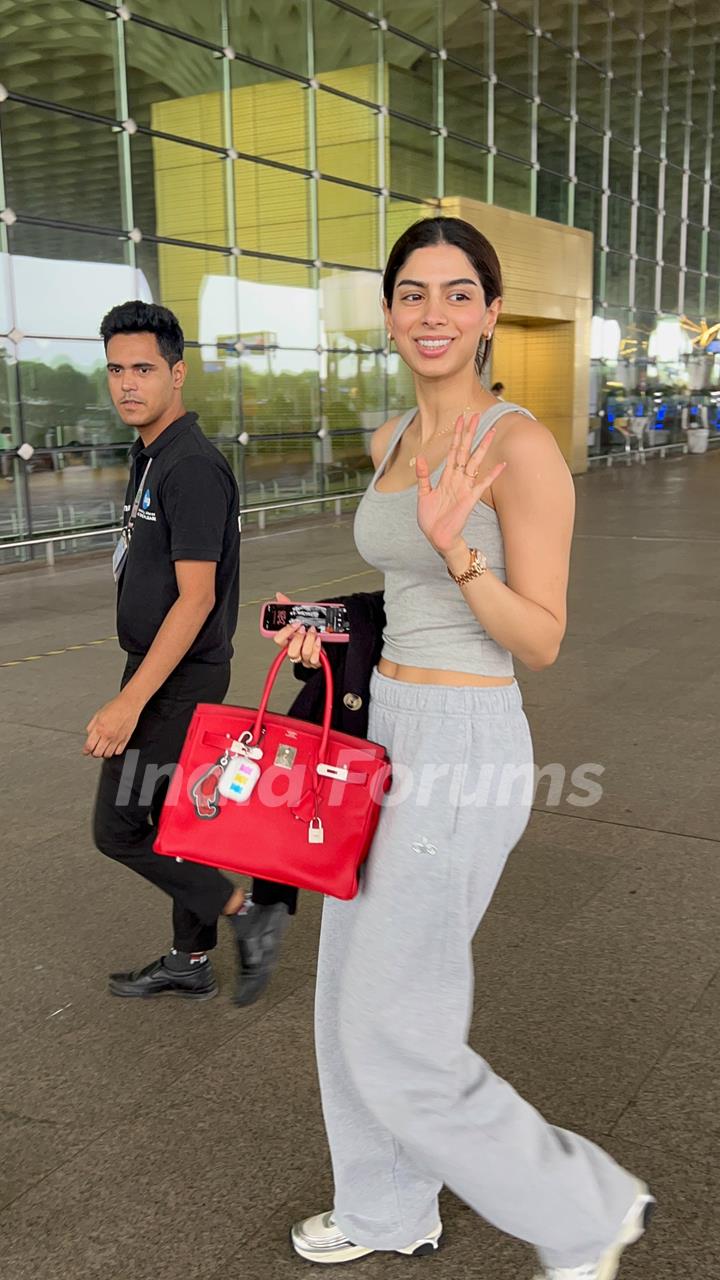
pixel 381 437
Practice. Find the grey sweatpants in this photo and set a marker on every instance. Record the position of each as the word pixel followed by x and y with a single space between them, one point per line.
pixel 408 1105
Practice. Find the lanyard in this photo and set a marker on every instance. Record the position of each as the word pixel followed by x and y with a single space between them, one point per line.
pixel 136 503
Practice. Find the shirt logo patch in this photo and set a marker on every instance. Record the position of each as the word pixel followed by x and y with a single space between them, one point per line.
pixel 146 500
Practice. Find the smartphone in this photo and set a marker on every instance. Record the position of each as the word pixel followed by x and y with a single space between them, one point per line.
pixel 329 620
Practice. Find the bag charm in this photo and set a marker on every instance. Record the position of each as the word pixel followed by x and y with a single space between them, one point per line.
pixel 205 792
pixel 239 778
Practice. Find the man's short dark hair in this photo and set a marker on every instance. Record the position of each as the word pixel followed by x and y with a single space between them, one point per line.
pixel 146 317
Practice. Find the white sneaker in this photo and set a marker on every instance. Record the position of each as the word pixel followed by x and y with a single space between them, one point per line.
pixel 606 1268
pixel 320 1240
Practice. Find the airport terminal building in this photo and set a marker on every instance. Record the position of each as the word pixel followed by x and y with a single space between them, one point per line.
pixel 249 163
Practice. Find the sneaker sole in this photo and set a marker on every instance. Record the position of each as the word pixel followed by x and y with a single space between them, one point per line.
pixel 355 1253
pixel 156 995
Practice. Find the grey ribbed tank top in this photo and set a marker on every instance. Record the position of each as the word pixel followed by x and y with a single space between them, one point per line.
pixel 429 623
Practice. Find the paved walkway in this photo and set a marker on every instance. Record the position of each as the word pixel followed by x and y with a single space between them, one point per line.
pixel 151 1142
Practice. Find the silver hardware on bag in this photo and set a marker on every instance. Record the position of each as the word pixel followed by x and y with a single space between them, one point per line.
pixel 285 757
pixel 242 747
pixel 316 832
pixel 338 771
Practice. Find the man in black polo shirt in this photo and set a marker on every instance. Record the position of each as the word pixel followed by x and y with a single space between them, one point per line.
pixel 177 572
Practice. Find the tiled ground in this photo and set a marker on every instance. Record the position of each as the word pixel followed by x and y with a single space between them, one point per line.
pixel 143 1143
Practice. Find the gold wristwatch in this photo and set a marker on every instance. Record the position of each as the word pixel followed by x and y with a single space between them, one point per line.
pixel 478 566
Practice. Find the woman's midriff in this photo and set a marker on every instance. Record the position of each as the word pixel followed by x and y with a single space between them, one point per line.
pixel 426 675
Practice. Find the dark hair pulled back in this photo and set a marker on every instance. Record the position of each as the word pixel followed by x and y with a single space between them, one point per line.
pixel 463 235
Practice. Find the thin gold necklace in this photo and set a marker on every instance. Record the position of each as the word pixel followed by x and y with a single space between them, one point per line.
pixel 445 431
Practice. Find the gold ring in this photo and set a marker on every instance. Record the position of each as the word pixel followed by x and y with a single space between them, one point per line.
pixel 294 660
pixel 471 475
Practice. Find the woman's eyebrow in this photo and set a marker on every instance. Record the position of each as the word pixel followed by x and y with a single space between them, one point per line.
pixel 422 284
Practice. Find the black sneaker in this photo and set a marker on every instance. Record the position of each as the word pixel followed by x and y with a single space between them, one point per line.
pixel 157 979
pixel 258 935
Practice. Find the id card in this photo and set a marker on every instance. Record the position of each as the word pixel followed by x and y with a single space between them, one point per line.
pixel 119 555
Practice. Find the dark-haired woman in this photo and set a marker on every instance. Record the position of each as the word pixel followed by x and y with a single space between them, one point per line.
pixel 469 515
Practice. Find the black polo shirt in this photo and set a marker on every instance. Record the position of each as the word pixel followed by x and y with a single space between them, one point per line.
pixel 188 511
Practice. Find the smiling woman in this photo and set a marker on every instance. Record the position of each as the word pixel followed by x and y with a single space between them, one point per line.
pixel 475 557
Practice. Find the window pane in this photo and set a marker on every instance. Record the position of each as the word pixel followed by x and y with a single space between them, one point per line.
pixel 590 95
pixel 552 198
pixel 413 159
pixel 281 42
pixel 645 285
pixel 675 141
pixel 63 282
pixel 552 140
pixel 204 22
pixel 468 36
pixel 671 239
pixel 512 185
pixel 193 109
pixel 669 293
pixel 693 257
pixel 272 211
pixel 347 139
pixel 177 277
pixel 621 167
pixel 648 174
pixel 647 232
pixel 348 225
pixel 673 191
pixel 622 111
pixel 465 170
pixel 351 311
pixel 592 29
pixel 188 190
pixel 588 156
pixel 651 116
pixel 343 40
pixel 512 123
pixel 60 167
pixel 269 115
pixel 692 293
pixel 588 209
pixel 554 75
pixel 513 53
pixel 617 279
pixel 619 223
pixel 465 97
pixel 42 56
pixel 696 200
pixel 411 80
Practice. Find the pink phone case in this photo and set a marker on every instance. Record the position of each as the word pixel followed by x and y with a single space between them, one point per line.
pixel 330 638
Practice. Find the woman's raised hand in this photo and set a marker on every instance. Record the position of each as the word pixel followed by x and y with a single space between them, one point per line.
pixel 443 512
pixel 302 645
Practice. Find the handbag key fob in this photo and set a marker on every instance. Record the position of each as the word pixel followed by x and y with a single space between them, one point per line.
pixel 239 778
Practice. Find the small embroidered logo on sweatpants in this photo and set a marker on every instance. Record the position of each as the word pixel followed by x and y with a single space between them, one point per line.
pixel 424 846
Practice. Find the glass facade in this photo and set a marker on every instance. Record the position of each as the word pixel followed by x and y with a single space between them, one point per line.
pixel 249 162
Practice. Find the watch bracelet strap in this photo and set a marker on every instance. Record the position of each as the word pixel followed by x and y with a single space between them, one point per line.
pixel 478 566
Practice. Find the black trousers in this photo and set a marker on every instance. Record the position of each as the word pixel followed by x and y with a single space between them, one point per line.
pixel 130 795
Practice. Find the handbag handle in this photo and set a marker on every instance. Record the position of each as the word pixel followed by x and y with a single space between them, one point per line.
pixel 327 713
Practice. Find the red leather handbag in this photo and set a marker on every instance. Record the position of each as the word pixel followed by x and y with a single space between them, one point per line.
pixel 275 797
